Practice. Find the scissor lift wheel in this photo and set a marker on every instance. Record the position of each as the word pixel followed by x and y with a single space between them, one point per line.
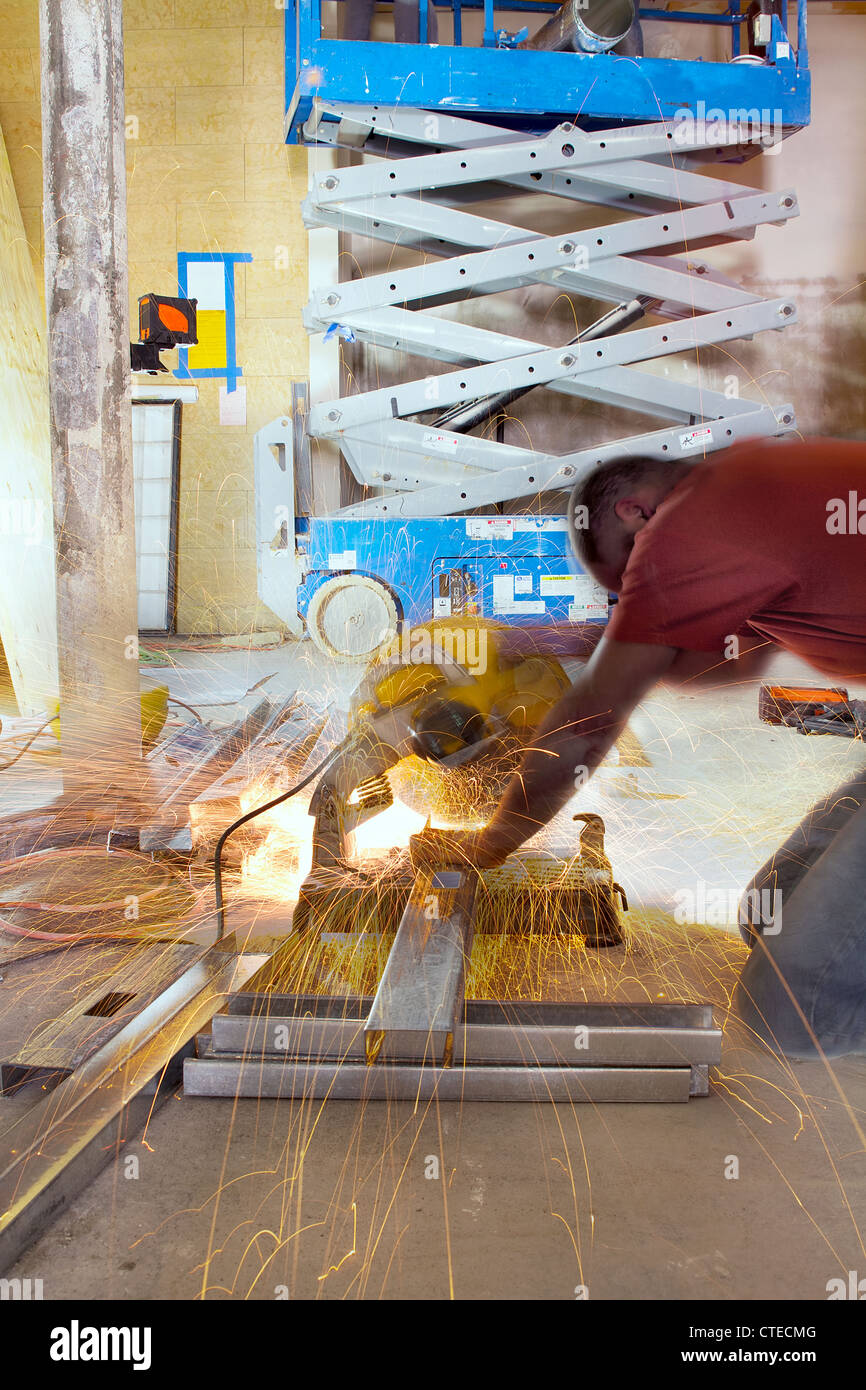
pixel 352 617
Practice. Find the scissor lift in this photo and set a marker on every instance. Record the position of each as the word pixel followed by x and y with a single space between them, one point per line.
pixel 439 126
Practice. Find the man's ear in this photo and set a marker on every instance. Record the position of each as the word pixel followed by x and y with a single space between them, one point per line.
pixel 632 513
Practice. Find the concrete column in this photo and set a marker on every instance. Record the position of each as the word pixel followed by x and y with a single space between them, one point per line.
pixel 84 210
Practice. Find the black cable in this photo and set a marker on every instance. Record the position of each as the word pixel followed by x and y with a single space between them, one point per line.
pixel 221 704
pixel 173 700
pixel 250 815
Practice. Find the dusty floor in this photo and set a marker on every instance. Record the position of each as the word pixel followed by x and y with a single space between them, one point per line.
pixel 273 1199
pixel 755 1192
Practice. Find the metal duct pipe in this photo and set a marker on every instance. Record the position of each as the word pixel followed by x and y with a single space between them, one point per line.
pixel 465 416
pixel 585 26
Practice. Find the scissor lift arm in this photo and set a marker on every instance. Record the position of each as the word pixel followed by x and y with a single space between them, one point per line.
pixel 417 470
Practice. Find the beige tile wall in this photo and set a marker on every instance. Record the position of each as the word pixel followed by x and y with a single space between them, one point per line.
pixel 208 171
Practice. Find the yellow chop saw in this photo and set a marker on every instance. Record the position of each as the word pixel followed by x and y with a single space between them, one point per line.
pixel 448 730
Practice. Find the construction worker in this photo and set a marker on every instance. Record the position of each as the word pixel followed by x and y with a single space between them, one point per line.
pixel 718 564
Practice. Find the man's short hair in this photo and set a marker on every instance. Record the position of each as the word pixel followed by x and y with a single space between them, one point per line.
pixel 594 496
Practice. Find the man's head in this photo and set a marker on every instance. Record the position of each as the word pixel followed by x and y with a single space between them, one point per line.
pixel 610 505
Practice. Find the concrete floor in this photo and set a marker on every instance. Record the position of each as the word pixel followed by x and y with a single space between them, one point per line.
pixel 273 1199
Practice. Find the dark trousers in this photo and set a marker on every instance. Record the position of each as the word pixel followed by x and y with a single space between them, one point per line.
pixel 804 915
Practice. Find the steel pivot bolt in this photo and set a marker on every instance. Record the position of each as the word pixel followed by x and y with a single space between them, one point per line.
pixel 567 248
pixel 330 182
pixel 334 415
pixel 332 299
pixel 567 360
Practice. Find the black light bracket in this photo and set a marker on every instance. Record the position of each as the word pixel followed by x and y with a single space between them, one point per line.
pixel 163 323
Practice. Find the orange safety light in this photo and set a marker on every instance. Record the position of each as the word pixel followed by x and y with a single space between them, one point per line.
pixel 164 322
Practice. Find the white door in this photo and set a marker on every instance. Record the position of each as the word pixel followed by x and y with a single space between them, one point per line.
pixel 155 440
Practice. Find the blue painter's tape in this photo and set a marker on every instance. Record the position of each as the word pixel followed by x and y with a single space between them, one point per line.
pixel 229 259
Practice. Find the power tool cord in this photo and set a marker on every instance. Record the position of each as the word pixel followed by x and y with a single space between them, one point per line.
pixel 251 815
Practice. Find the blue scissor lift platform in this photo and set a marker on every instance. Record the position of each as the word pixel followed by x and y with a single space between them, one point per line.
pixel 437 126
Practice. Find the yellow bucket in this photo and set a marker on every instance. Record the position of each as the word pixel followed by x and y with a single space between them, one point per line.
pixel 154 711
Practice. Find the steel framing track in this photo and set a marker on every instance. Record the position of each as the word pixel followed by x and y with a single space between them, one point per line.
pixel 312 1047
pixel 50 1153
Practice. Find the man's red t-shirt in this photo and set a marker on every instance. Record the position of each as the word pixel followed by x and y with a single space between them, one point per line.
pixel 762 538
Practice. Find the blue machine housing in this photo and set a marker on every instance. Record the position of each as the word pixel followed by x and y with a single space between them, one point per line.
pixel 515 569
pixel 524 85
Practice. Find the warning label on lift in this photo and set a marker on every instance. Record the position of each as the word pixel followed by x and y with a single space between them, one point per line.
pixel 505 528
pixel 588 599
pixel 696 439
pixel 496 527
pixel 445 443
pixel 504 601
pixel 553 585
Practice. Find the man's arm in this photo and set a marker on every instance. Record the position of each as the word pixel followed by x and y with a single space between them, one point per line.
pixel 564 753
pixel 573 739
pixel 706 670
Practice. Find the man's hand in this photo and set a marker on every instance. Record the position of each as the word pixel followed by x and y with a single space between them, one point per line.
pixel 567 748
pixel 573 739
pixel 453 849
